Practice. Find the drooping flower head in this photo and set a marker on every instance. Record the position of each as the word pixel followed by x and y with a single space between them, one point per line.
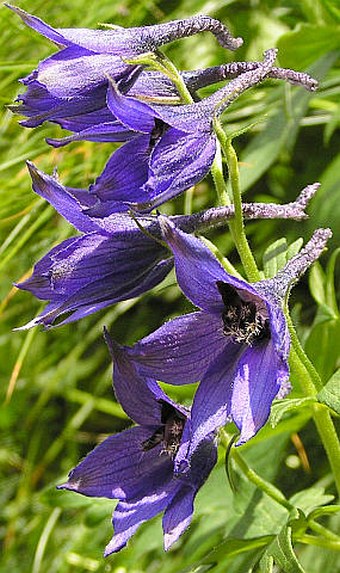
pixel 70 86
pixel 236 345
pixel 136 466
pixel 113 259
pixel 174 147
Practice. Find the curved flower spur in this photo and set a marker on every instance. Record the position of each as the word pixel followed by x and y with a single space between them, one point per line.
pixel 174 147
pixel 70 86
pixel 136 466
pixel 117 257
pixel 236 345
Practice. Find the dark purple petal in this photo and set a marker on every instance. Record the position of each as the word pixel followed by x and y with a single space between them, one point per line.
pixel 124 174
pixel 66 204
pixel 140 397
pixel 132 113
pixel 178 515
pixel 180 351
pixel 35 23
pixel 73 72
pixel 212 402
pixel 119 468
pixel 177 162
pixel 87 287
pixel 198 270
pixel 260 374
pixel 112 132
pixel 128 516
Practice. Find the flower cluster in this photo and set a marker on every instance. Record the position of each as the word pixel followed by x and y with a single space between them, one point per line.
pixel 236 345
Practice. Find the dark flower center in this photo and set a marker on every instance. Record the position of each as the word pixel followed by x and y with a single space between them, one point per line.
pixel 242 320
pixel 157 132
pixel 169 434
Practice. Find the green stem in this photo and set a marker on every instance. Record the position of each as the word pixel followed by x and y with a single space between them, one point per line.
pixel 236 226
pixel 217 175
pixel 321 530
pixel 173 73
pixel 226 264
pixel 321 416
pixel 316 383
pixel 330 440
pixel 319 542
pixel 253 477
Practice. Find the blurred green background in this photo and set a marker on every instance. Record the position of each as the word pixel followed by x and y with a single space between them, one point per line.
pixel 56 397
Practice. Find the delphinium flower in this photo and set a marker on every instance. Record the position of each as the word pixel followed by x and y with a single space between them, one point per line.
pixel 236 345
pixel 117 257
pixel 136 466
pixel 90 119
pixel 70 86
pixel 174 147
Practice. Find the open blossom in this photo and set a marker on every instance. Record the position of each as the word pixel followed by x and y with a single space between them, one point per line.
pixel 113 259
pixel 70 86
pixel 136 466
pixel 236 345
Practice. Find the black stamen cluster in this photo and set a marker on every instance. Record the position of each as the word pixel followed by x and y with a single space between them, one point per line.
pixel 169 433
pixel 241 319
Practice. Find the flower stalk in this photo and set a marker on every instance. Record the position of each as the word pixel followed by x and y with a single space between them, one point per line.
pixel 236 226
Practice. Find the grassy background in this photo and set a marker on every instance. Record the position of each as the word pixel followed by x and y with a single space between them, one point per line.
pixel 56 386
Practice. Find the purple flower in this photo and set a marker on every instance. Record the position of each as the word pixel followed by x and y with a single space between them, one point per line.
pixel 236 345
pixel 174 149
pixel 70 86
pixel 113 259
pixel 136 466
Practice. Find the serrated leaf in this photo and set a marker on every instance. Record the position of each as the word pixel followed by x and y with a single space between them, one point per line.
pixel 330 393
pixel 281 407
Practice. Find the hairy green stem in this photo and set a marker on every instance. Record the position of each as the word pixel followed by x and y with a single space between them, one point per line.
pixel 253 477
pixel 217 175
pixel 175 77
pixel 330 440
pixel 237 225
pixel 321 416
pixel 315 384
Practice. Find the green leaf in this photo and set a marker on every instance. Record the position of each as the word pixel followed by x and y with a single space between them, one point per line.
pixel 317 283
pixel 282 407
pixel 330 394
pixel 309 499
pixel 330 282
pixel 281 549
pixel 277 254
pixel 274 257
pixel 307 43
pixel 266 564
